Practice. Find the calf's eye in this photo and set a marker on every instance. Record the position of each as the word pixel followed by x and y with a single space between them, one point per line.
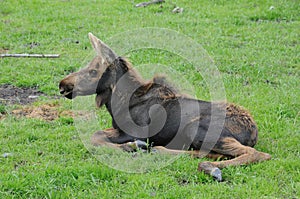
pixel 93 73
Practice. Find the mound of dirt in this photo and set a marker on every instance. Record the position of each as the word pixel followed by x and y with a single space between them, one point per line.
pixel 47 112
pixel 10 94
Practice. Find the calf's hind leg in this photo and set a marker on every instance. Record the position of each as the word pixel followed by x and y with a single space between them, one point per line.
pixel 241 154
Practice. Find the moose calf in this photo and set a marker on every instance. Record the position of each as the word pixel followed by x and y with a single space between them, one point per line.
pixel 156 113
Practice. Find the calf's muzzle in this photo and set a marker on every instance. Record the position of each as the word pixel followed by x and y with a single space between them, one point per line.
pixel 66 87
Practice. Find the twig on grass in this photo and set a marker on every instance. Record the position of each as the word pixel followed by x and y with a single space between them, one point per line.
pixel 31 55
pixel 144 4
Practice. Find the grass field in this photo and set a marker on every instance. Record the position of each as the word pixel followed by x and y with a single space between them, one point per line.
pixel 254 44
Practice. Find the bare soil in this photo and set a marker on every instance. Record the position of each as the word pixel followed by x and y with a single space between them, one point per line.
pixel 47 112
pixel 3 50
pixel 10 94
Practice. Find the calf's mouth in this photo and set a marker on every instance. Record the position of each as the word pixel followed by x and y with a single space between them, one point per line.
pixel 69 95
pixel 67 92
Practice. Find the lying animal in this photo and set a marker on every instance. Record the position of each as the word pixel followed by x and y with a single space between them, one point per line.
pixel 154 112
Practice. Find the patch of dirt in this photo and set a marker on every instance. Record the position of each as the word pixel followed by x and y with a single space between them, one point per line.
pixel 10 94
pixel 3 50
pixel 47 112
pixel 32 45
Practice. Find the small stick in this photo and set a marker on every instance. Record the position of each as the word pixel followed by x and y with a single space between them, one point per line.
pixel 30 55
pixel 144 4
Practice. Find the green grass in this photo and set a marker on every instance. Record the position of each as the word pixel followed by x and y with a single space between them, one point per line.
pixel 255 48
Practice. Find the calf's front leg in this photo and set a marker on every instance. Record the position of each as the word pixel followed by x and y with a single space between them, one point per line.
pixel 113 138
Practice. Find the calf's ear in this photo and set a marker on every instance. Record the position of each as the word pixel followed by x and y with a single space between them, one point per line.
pixel 102 49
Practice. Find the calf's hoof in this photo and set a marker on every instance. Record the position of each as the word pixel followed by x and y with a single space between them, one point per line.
pixel 135 146
pixel 210 169
pixel 141 144
pixel 217 174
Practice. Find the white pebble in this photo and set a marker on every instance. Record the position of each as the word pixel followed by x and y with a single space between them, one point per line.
pixel 272 8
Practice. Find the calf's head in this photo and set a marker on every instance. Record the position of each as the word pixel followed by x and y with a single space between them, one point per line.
pixel 87 80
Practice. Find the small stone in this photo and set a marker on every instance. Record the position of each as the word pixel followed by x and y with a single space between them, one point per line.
pixel 177 10
pixel 33 96
pixel 152 194
pixel 271 8
pixel 6 155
